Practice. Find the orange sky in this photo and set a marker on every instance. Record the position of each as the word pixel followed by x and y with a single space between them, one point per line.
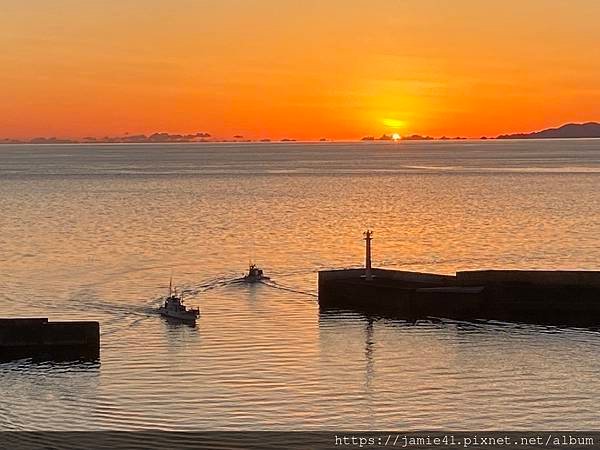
pixel 302 69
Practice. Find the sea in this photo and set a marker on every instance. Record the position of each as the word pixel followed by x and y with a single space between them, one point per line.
pixel 95 232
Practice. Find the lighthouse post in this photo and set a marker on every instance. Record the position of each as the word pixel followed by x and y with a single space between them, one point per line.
pixel 368 238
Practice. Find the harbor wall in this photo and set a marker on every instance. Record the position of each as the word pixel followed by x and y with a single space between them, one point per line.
pixel 545 297
pixel 40 339
pixel 584 278
pixel 387 274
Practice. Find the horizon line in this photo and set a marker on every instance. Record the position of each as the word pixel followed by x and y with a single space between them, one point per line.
pixel 163 137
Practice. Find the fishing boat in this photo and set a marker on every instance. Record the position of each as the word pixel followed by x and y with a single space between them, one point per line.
pixel 175 308
pixel 254 275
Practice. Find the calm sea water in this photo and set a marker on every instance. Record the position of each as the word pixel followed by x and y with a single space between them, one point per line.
pixel 94 232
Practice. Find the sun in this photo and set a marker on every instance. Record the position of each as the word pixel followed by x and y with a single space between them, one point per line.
pixel 396 137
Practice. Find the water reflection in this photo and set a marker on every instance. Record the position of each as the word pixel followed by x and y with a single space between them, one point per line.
pixel 369 357
pixel 37 391
pixel 179 334
pixel 94 236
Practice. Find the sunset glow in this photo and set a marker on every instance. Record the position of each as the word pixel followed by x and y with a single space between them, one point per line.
pixel 394 123
pixel 304 70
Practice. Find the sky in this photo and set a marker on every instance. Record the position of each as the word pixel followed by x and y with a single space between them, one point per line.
pixel 303 69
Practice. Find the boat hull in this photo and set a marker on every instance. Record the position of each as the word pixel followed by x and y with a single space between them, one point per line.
pixel 186 316
pixel 251 279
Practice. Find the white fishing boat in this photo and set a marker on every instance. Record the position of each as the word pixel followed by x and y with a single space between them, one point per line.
pixel 175 308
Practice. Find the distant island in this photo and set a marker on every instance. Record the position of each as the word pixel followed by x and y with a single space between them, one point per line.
pixel 567 131
pixel 126 139
pixel 155 138
pixel 570 130
pixel 387 137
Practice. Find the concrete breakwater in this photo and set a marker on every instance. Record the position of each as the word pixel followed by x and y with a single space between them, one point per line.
pixel 544 297
pixel 40 339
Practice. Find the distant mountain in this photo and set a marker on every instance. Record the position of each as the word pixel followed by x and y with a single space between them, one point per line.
pixel 570 130
pixel 388 137
pixel 128 138
pixel 417 137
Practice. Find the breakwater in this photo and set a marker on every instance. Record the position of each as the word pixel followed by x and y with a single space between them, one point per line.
pixel 40 339
pixel 544 297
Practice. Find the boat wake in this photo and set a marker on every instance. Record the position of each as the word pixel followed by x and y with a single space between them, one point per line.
pixel 281 287
pixel 210 284
pixel 221 282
